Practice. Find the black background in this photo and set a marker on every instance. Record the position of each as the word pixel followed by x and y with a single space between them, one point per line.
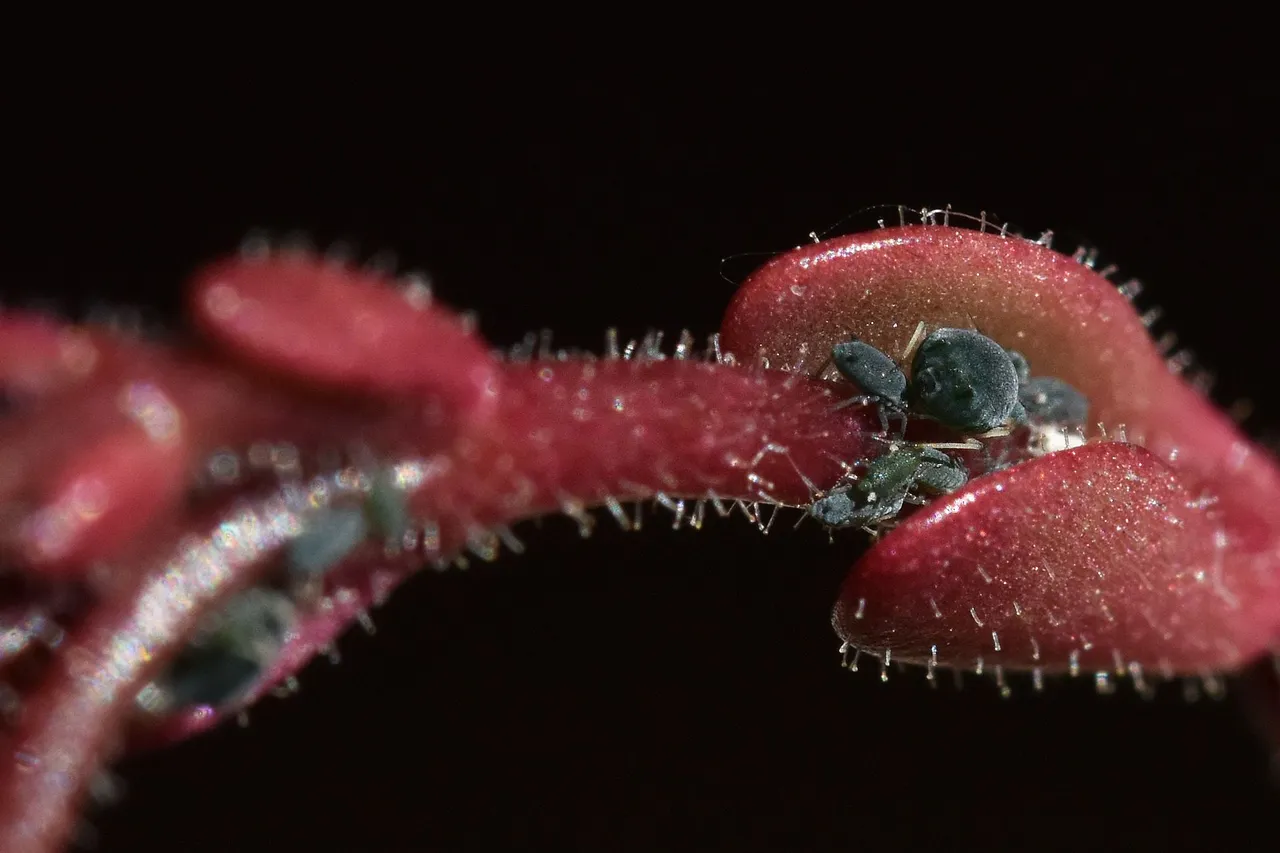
pixel 663 690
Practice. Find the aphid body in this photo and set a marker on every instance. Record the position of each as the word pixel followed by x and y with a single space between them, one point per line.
pixel 886 483
pixel 966 381
pixel 228 653
pixel 333 533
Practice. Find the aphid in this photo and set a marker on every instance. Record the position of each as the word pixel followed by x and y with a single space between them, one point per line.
pixel 959 377
pixel 965 380
pixel 874 372
pixel 227 654
pixel 1050 400
pixel 333 533
pixel 385 507
pixel 330 536
pixel 886 484
pixel 1047 399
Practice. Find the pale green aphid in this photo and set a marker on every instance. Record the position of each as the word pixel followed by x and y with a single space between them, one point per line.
pixel 333 533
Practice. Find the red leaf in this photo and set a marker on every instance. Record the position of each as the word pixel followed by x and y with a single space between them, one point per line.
pixel 1096 558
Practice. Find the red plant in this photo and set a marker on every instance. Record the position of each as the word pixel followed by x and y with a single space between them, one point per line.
pixel 1144 552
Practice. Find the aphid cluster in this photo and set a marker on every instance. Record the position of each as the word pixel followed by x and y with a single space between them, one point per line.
pixel 961 380
pixel 233 647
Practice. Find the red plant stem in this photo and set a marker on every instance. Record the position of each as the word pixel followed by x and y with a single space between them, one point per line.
pixel 569 434
pixel 563 432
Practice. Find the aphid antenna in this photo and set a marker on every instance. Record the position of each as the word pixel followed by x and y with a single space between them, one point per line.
pixel 967 444
pixel 823 367
pixel 917 337
pixel 797 367
pixel 895 444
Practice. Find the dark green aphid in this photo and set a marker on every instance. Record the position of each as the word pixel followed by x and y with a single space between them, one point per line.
pixel 1052 401
pixel 886 483
pixel 333 533
pixel 874 372
pixel 1047 399
pixel 229 652
pixel 870 369
pixel 966 381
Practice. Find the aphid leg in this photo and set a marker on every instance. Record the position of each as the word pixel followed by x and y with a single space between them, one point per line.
pixel 815 494
pixel 849 475
pixel 878 529
pixel 903 418
pixel 814 491
pixel 884 408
